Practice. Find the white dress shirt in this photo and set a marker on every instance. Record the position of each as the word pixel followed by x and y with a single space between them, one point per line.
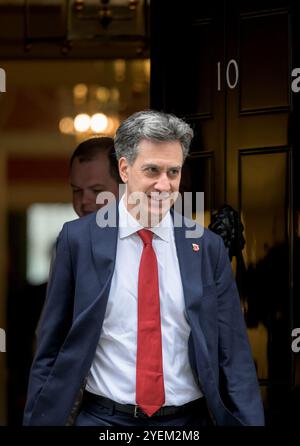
pixel 113 371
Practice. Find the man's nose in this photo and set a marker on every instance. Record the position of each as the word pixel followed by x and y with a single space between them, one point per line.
pixel 88 197
pixel 163 183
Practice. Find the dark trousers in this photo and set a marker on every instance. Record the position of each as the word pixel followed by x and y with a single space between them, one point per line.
pixel 94 414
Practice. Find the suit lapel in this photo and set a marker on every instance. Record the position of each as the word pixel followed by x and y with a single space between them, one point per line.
pixel 104 247
pixel 190 267
pixel 190 263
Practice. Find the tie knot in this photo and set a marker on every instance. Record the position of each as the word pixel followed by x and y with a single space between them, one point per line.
pixel 146 236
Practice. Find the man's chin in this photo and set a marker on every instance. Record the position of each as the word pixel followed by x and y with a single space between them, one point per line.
pixel 86 212
pixel 153 216
pixel 159 208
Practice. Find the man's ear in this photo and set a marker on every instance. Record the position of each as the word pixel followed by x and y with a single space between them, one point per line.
pixel 123 168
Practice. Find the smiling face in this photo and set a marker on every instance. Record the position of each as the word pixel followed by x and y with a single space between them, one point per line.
pixel 156 174
pixel 88 179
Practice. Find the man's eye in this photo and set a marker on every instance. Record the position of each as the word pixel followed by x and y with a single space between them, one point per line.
pixel 151 170
pixel 97 191
pixel 174 172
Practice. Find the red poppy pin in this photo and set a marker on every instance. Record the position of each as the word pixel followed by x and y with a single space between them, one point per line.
pixel 195 247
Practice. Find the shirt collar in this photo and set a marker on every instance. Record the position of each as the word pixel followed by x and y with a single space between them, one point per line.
pixel 128 225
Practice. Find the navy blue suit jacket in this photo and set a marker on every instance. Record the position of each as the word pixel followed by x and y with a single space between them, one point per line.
pixel 75 307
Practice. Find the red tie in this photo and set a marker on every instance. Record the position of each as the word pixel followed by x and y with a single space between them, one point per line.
pixel 150 393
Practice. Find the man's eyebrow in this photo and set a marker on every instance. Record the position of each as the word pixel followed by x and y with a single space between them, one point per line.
pixel 149 165
pixel 96 185
pixel 91 186
pixel 158 167
pixel 175 167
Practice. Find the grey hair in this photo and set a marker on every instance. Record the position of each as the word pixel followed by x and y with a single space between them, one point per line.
pixel 154 126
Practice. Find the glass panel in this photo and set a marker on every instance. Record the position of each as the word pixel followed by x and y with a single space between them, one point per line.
pixel 265 280
pixel 44 222
pixel 197 177
pixel 194 90
pixel 262 47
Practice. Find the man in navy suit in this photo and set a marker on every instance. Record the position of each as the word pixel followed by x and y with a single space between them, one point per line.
pixel 176 356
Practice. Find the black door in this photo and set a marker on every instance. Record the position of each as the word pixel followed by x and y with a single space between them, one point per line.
pixel 227 69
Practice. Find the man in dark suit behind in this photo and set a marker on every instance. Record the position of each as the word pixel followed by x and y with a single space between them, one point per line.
pixel 145 318
pixel 93 169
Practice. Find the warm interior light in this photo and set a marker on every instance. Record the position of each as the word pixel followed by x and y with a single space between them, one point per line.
pixel 82 122
pixel 110 129
pixel 119 69
pixel 102 94
pixel 115 94
pixel 147 69
pixel 116 122
pixel 66 125
pixel 99 122
pixel 80 91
